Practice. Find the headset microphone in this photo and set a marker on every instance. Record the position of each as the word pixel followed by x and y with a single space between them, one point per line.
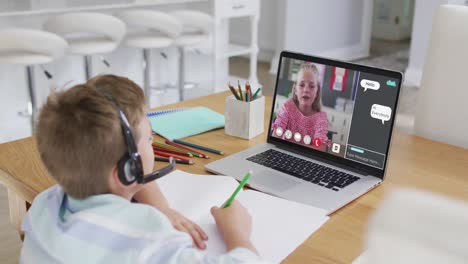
pixel 130 166
pixel 159 173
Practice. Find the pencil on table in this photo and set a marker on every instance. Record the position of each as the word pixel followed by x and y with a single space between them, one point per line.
pixel 201 155
pixel 168 155
pixel 176 160
pixel 168 150
pixel 198 147
pixel 164 145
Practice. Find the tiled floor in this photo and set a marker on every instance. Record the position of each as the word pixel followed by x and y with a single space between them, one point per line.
pixel 393 55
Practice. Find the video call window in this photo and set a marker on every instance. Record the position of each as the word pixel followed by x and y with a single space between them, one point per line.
pixel 314 107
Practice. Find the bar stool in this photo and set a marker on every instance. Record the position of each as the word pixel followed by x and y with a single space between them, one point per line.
pixel 197 27
pixel 20 46
pixel 88 34
pixel 149 30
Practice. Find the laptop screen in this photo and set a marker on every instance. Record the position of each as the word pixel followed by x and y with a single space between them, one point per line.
pixel 339 110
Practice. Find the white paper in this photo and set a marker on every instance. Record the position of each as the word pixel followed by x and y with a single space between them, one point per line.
pixel 279 226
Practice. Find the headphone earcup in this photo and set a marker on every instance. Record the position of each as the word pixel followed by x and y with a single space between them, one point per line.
pixel 126 170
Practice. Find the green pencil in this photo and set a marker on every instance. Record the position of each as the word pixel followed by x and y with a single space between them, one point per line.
pixel 241 185
pixel 178 141
pixel 256 93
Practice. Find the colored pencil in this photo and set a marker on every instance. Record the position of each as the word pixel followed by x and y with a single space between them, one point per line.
pixel 201 155
pixel 176 160
pixel 164 145
pixel 236 191
pixel 249 89
pixel 240 91
pixel 181 149
pixel 166 158
pixel 233 91
pixel 256 93
pixel 168 150
pixel 168 155
pixel 198 147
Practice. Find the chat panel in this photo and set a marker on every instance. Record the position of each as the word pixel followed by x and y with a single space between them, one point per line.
pixel 372 119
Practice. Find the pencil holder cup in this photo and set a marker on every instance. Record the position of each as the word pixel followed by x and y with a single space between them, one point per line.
pixel 244 119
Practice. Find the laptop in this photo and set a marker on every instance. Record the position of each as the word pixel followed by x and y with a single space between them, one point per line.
pixel 329 133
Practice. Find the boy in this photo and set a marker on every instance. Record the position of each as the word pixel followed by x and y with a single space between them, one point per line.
pixel 89 217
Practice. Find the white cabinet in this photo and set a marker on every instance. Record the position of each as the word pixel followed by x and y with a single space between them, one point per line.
pixel 224 10
pixel 237 8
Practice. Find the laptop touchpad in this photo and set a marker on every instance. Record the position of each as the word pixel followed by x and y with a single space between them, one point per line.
pixel 272 180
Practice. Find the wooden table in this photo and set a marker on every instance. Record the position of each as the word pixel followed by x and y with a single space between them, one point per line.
pixel 414 162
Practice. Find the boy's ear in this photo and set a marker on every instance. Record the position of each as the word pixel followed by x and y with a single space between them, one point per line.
pixel 115 184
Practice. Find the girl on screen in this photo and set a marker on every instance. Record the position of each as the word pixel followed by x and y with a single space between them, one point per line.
pixel 302 113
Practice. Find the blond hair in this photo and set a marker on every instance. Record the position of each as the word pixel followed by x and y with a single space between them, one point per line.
pixel 78 134
pixel 307 66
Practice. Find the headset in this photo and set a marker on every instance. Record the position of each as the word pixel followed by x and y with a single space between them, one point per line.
pixel 130 166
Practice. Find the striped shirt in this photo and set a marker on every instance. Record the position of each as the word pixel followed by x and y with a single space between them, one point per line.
pixel 108 229
pixel 290 118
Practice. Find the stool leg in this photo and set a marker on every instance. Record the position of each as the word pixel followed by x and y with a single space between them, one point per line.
pixel 181 73
pixel 88 67
pixel 32 95
pixel 146 75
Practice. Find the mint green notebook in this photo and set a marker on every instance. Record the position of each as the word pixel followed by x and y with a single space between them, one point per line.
pixel 181 124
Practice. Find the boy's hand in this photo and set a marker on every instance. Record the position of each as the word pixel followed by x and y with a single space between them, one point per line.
pixel 235 224
pixel 184 224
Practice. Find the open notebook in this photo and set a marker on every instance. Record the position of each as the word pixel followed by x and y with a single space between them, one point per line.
pixel 278 226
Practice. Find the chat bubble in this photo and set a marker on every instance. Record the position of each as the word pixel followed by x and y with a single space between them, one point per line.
pixel 381 112
pixel 368 84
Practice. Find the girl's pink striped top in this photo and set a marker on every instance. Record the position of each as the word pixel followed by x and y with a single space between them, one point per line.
pixel 289 117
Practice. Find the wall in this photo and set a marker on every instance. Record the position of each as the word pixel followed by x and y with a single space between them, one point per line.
pixel 285 25
pixel 392 19
pixel 335 29
pixel 422 26
pixel 318 26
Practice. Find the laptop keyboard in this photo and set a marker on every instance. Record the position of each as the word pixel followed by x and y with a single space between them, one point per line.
pixel 306 170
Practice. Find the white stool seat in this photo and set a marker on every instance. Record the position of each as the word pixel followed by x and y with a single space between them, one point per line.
pixel 149 30
pixel 25 58
pixel 197 27
pixel 95 33
pixel 148 40
pixel 92 46
pixel 30 47
pixel 19 46
pixel 190 39
pixel 88 34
